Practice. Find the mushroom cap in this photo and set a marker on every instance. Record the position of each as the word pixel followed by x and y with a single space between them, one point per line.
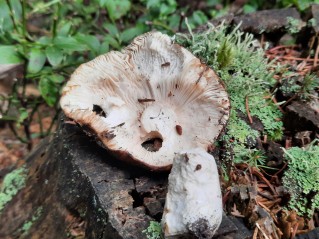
pixel 149 101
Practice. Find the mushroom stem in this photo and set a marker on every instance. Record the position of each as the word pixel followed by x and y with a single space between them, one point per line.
pixel 193 202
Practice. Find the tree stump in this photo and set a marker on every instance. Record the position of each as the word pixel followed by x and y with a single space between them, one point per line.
pixel 68 176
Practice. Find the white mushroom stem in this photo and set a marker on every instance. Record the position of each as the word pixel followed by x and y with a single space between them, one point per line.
pixel 193 202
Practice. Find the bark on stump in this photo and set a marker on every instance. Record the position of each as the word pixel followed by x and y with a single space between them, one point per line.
pixel 69 174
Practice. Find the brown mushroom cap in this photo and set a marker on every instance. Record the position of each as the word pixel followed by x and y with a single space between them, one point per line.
pixel 149 101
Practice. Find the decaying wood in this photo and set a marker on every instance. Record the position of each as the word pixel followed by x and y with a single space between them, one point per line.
pixel 69 174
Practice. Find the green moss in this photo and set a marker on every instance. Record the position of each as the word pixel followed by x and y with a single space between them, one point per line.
pixel 224 54
pixel 28 224
pixel 11 185
pixel 301 179
pixel 248 77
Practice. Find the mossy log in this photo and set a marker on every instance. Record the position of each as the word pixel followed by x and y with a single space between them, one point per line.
pixel 68 174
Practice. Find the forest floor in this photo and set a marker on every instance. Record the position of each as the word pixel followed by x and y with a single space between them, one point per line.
pixel 254 191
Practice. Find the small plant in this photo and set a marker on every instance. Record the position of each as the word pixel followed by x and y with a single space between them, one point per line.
pixel 304 88
pixel 154 231
pixel 301 180
pixel 253 157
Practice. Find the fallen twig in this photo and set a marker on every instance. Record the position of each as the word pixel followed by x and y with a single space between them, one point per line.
pixel 262 177
pixel 294 230
pixel 276 103
pixel 247 110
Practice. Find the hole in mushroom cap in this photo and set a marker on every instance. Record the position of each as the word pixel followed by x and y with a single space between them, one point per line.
pixel 98 110
pixel 153 141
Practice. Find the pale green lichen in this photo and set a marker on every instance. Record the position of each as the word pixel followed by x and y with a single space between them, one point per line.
pixel 12 183
pixel 154 231
pixel 301 179
pixel 294 25
pixel 28 224
pixel 312 22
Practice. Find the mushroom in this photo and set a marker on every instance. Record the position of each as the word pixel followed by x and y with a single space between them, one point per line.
pixel 149 101
pixel 193 203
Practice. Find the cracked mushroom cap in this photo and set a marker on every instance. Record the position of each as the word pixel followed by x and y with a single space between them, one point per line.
pixel 149 101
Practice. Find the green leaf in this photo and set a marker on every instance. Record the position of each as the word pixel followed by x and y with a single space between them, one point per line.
pixel 117 8
pixel 153 4
pixel 112 41
pixel 249 8
pixel 54 55
pixel 102 2
pixel 111 28
pixel 91 41
pixel 45 40
pixel 23 114
pixel 5 19
pixel 9 55
pixel 174 21
pixel 36 60
pixel 68 44
pixel 43 7
pixel 199 17
pixel 104 48
pixel 128 34
pixel 48 90
pixel 16 9
pixel 65 29
pixel 55 78
pixel 303 4
pixel 167 9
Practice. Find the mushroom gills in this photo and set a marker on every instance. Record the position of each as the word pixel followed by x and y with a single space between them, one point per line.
pixel 152 85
